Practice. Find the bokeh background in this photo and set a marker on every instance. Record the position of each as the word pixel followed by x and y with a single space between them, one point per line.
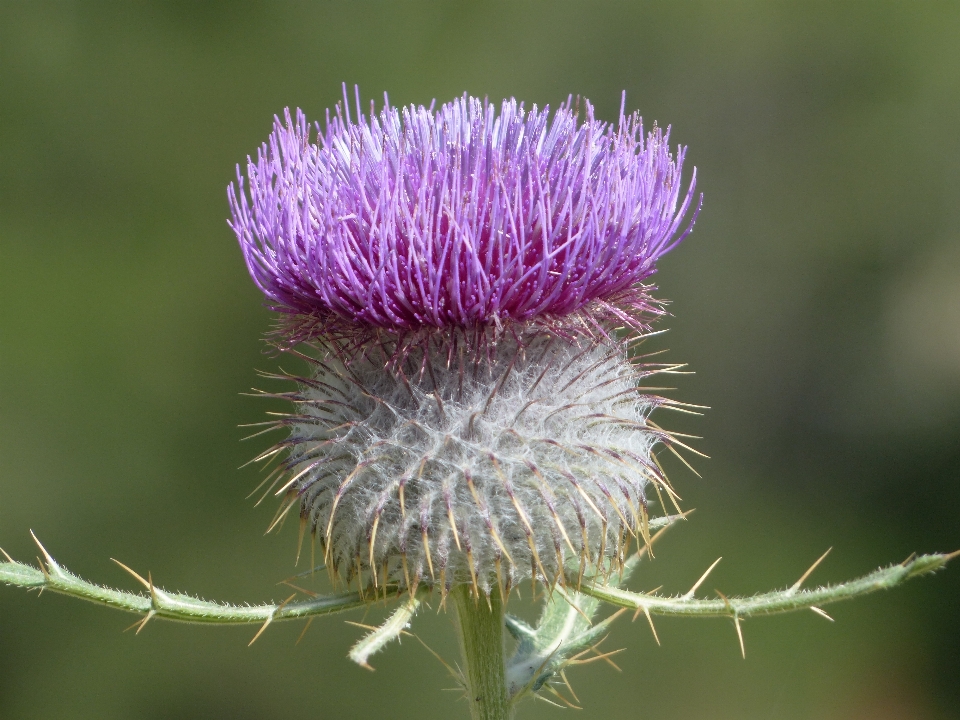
pixel 818 303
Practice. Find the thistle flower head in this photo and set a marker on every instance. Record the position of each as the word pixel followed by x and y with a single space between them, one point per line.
pixel 458 217
pixel 508 439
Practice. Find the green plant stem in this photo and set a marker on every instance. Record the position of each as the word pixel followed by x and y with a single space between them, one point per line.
pixel 481 641
pixel 770 603
pixel 162 604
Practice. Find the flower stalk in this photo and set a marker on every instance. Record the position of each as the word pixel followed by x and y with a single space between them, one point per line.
pixel 480 623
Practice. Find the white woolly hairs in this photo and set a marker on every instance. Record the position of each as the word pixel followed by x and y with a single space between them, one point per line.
pixel 486 470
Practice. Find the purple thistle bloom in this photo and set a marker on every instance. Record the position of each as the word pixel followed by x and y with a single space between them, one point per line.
pixel 468 415
pixel 458 217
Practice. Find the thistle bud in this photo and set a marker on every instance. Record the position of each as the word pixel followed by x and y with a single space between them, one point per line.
pixel 460 275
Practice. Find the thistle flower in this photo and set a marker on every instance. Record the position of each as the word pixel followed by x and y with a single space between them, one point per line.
pixel 459 217
pixel 470 416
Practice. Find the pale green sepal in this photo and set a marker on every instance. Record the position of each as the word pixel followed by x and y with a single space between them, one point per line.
pixel 564 629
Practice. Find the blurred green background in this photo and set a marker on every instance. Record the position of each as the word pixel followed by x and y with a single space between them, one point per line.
pixel 818 302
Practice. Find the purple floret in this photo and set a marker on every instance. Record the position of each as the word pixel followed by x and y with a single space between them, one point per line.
pixel 459 217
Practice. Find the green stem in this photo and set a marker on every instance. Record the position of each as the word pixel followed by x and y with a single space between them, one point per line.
pixel 481 641
pixel 162 604
pixel 770 603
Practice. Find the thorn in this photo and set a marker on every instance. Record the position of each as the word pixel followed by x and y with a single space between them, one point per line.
pixel 361 625
pixel 426 547
pixel 690 467
pixel 333 508
pixel 287 485
pixel 154 601
pixel 563 676
pixel 541 698
pixel 662 480
pixel 406 573
pixel 303 526
pixel 946 559
pixel 9 559
pixel 136 575
pixel 50 561
pixel 444 590
pixel 270 619
pixel 305 628
pixel 599 656
pixel 703 577
pixel 281 514
pixel 458 676
pixel 618 613
pixel 648 545
pixel 821 613
pixel 473 578
pixel 743 650
pixel 416 584
pixel 304 573
pixel 284 603
pixel 608 661
pixel 563 532
pixel 453 526
pixel 146 619
pixel 373 542
pixel 566 702
pixel 298 589
pixel 639 609
pixel 262 628
pixel 798 583
pixel 490 526
pixel 646 611
pixel 572 604
pixel 46 574
pixel 262 483
pixel 736 622
pixel 141 622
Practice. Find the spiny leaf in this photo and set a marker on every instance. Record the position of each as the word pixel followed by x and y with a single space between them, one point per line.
pixel 770 603
pixel 171 606
pixel 381 636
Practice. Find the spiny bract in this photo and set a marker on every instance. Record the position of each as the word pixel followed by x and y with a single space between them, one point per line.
pixel 474 470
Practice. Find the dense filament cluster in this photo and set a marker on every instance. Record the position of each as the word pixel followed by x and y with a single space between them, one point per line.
pixel 464 469
pixel 458 217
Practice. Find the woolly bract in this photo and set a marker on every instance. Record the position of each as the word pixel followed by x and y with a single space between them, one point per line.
pixel 458 217
pixel 472 470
